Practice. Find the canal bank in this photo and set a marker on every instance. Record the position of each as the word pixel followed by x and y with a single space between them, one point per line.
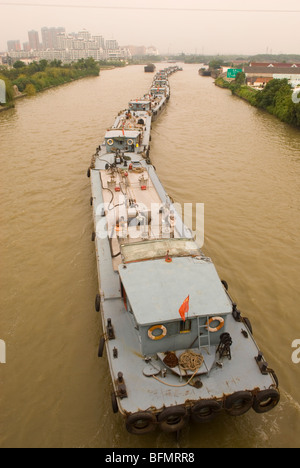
pixel 2 109
pixel 17 95
pixel 276 98
pixel 28 80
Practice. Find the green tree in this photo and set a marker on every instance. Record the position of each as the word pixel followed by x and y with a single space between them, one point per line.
pixel 55 63
pixel 43 64
pixel 276 98
pixel 19 64
pixel 22 82
pixel 216 64
pixel 266 98
pixel 30 90
pixel 240 79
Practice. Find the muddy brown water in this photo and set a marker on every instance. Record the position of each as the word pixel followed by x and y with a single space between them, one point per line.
pixel 208 147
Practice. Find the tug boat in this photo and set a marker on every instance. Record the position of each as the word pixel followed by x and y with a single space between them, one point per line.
pixel 178 348
pixel 150 68
pixel 204 72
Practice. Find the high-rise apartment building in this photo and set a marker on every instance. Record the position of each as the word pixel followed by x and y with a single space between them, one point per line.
pixel 14 46
pixel 84 34
pixel 50 37
pixel 100 41
pixel 64 42
pixel 57 44
pixel 26 47
pixel 34 40
pixel 112 45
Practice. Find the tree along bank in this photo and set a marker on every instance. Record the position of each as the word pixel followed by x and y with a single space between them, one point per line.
pixel 38 76
pixel 276 98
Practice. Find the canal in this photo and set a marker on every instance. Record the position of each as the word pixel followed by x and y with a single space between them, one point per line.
pixel 208 147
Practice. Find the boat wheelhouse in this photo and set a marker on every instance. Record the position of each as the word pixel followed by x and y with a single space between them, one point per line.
pixel 140 105
pixel 122 140
pixel 155 91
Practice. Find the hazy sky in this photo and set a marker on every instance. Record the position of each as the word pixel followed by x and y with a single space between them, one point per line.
pixel 176 30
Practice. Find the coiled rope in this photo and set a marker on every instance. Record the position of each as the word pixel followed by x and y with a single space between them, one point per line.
pixel 190 361
pixel 187 361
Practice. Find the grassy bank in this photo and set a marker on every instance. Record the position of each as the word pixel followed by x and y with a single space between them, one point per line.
pixel 38 76
pixel 275 98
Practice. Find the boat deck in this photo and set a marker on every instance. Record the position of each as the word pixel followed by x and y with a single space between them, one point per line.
pixel 144 393
pixel 123 226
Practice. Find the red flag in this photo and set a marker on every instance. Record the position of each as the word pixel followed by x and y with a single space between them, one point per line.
pixel 184 309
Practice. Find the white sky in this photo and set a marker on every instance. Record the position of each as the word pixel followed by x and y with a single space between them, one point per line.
pixel 170 31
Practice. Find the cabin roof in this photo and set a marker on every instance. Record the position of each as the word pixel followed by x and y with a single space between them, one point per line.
pixel 158 248
pixel 157 289
pixel 119 133
pixel 140 101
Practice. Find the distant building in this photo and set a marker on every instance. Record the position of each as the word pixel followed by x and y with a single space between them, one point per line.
pixel 100 41
pixel 84 34
pixel 64 42
pixel 258 82
pixel 6 60
pixel 78 44
pixel 152 51
pixel 50 37
pixel 274 65
pixel 111 45
pixel 34 40
pixel 142 50
pixel 26 47
pixel 136 50
pixel 257 75
pixel 14 46
pixel 57 44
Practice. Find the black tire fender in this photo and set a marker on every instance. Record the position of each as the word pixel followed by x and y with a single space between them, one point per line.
pixel 248 324
pixel 205 411
pixel 114 403
pixel 101 347
pixel 173 419
pixel 97 303
pixel 141 423
pixel 225 284
pixel 266 400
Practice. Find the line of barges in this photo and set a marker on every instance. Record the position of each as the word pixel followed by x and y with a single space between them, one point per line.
pixel 178 348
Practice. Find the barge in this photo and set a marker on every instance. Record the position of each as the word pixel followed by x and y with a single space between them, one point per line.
pixel 150 68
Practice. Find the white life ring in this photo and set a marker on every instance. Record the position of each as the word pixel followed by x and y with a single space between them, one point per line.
pixel 157 337
pixel 219 327
pixel 129 142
